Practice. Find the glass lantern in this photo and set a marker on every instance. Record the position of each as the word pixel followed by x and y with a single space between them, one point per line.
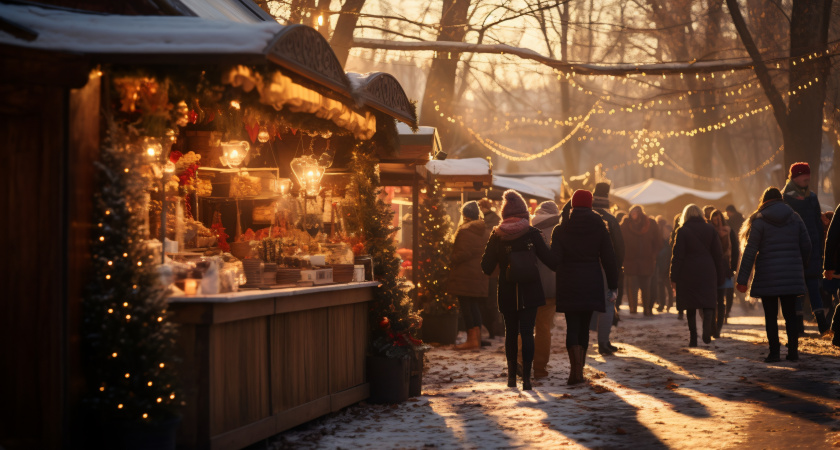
pixel 234 153
pixel 308 173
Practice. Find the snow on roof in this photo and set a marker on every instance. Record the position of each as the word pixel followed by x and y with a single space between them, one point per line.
pixel 233 10
pixel 553 182
pixel 524 187
pixel 89 33
pixel 468 166
pixel 655 191
pixel 401 127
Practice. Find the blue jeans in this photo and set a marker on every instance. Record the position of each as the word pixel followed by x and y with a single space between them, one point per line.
pixel 813 285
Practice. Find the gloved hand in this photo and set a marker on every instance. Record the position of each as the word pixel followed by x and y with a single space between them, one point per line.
pixel 613 296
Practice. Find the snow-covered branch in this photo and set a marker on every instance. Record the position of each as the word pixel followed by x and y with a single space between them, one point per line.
pixel 583 69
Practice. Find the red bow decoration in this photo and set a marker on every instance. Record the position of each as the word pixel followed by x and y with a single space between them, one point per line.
pixel 192 116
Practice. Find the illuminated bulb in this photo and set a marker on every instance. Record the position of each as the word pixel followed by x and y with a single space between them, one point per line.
pixel 110 263
pixel 125 255
pixel 127 375
pixel 119 406
pixel 161 365
pixel 110 311
pixel 128 317
pixel 101 238
pixel 159 400
pixel 102 389
pixel 145 415
pixel 139 263
pixel 150 384
pixel 235 104
pixel 160 319
pixel 172 397
pixel 107 277
pixel 114 355
pixel 125 304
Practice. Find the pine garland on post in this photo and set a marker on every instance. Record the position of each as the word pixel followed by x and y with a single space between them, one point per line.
pixel 394 323
pixel 434 249
pixel 128 342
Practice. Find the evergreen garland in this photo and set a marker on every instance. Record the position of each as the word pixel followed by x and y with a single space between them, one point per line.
pixel 394 323
pixel 434 248
pixel 128 342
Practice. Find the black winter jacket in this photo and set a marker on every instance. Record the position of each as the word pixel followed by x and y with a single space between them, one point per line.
pixel 811 214
pixel 517 296
pixel 697 265
pixel 583 245
pixel 832 243
pixel 777 246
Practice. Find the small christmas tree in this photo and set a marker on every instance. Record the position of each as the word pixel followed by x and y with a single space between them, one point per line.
pixel 434 248
pixel 393 321
pixel 128 343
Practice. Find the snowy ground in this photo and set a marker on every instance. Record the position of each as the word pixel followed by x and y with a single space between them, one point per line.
pixel 655 393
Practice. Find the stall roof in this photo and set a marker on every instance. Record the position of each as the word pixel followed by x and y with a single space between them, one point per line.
pixel 524 187
pixel 195 40
pixel 467 170
pixel 102 34
pixel 550 180
pixel 653 191
pixel 243 11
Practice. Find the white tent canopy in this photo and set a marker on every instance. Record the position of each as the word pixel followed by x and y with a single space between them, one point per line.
pixel 653 191
pixel 524 187
pixel 468 166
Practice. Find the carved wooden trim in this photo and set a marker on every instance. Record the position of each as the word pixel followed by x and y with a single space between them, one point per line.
pixel 383 92
pixel 304 51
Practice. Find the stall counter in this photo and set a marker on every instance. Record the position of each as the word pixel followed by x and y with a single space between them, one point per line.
pixel 258 362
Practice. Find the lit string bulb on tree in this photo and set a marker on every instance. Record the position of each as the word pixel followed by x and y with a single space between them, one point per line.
pixel 434 249
pixel 128 343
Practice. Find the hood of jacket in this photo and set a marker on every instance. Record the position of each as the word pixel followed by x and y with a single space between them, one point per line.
pixel 776 213
pixel 474 226
pixel 543 221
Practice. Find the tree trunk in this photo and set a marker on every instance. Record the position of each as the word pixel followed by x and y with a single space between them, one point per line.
pixel 440 84
pixel 808 34
pixel 570 150
pixel 342 38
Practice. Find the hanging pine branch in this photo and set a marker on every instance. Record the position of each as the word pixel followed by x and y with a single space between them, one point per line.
pixel 128 341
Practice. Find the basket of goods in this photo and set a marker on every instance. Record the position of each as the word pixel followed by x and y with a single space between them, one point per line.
pixel 253 273
pixel 342 273
pixel 241 249
pixel 243 185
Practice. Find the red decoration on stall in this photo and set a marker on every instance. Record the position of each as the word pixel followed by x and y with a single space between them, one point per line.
pixel 294 130
pixel 384 323
pixel 253 131
pixel 192 116
pixel 210 116
pixel 175 155
pixel 221 236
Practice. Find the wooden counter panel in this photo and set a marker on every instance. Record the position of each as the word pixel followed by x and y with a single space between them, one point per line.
pixel 348 341
pixel 322 300
pixel 239 386
pixel 299 358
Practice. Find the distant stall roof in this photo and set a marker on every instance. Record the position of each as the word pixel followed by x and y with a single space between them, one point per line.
pixel 415 147
pixel 524 187
pixel 455 171
pixel 551 180
pixel 653 191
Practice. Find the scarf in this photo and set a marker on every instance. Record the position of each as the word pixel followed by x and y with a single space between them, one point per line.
pixel 640 226
pixel 512 226
pixel 800 192
pixel 601 203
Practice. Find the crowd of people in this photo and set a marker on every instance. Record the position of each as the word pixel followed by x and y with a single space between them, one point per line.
pixel 581 260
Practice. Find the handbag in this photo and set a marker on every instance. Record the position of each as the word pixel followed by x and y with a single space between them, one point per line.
pixel 522 265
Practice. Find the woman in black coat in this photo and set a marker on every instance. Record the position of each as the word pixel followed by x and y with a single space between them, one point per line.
pixel 582 244
pixel 777 244
pixel 518 301
pixel 697 269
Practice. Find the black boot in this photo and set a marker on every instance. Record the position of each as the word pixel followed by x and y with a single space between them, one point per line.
pixel 526 376
pixel 822 324
pixel 692 339
pixel 773 356
pixel 680 315
pixel 719 319
pixel 604 349
pixel 612 347
pixel 512 374
pixel 793 346
pixel 708 324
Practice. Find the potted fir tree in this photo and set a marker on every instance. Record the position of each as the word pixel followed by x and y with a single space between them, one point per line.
pixel 440 310
pixel 394 324
pixel 128 343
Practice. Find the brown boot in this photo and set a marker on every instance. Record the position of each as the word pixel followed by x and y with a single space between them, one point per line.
pixel 576 363
pixel 581 364
pixel 473 340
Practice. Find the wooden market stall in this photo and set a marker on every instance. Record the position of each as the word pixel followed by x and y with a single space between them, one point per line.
pixel 256 362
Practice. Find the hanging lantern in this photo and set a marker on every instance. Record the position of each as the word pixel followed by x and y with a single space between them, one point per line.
pixel 308 173
pixel 263 135
pixel 280 186
pixel 152 148
pixel 234 152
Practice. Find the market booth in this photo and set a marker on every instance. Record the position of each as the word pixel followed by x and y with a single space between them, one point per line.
pixel 662 197
pixel 244 135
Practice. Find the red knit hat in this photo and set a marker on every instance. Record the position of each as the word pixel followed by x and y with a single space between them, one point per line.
pixel 800 168
pixel 514 205
pixel 582 199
